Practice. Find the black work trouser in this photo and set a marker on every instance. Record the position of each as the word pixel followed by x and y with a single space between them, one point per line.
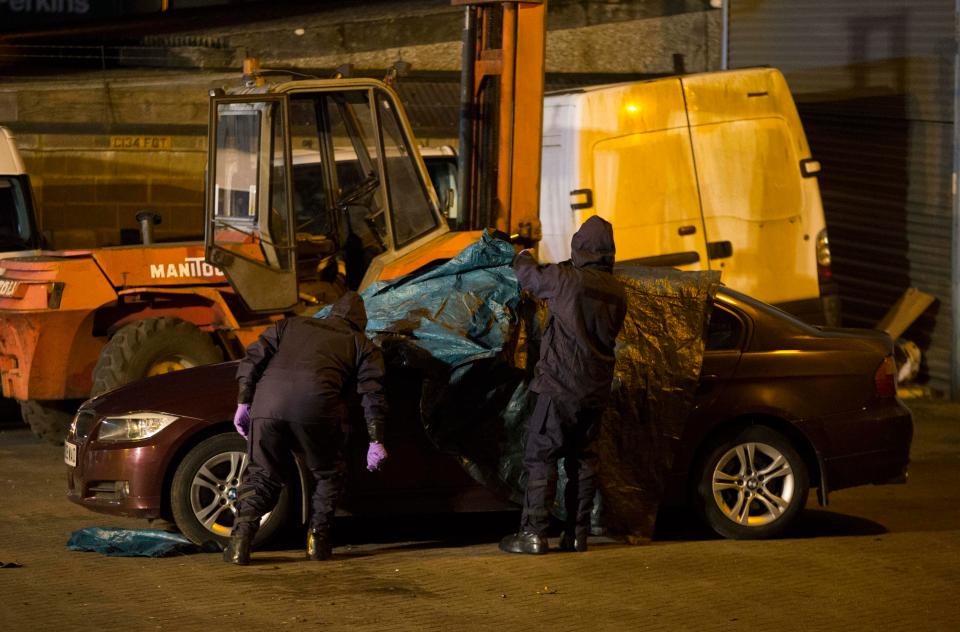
pixel 560 428
pixel 269 450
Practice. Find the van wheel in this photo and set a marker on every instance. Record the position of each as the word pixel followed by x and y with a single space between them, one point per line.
pixel 752 485
pixel 150 347
pixel 203 493
pixel 50 419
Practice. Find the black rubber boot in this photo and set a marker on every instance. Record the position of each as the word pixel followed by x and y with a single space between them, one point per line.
pixel 524 542
pixel 573 543
pixel 238 550
pixel 318 545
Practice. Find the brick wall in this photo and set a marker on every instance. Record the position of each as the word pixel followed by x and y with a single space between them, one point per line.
pixel 100 151
pixel 86 193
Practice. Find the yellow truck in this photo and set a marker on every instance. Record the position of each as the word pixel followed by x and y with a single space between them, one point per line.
pixel 698 172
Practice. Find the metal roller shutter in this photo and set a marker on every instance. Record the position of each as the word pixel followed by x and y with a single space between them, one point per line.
pixel 874 85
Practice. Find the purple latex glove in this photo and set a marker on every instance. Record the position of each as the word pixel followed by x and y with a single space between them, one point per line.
pixel 375 454
pixel 241 420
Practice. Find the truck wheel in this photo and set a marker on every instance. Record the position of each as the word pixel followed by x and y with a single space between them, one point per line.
pixel 204 491
pixel 49 420
pixel 752 485
pixel 149 347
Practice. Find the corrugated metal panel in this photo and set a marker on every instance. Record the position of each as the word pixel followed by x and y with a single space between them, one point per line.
pixel 874 86
pixel 893 45
pixel 433 103
pixel 433 106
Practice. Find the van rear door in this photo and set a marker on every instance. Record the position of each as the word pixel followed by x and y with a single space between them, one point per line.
pixel 761 216
pixel 643 174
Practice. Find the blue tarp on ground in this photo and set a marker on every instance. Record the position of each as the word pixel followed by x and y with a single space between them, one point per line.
pixel 115 542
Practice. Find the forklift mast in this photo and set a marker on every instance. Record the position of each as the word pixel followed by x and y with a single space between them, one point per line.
pixel 501 115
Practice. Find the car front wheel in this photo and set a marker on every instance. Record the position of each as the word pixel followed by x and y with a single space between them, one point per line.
pixel 203 492
pixel 752 484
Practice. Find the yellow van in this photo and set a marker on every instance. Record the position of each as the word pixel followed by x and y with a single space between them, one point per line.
pixel 707 171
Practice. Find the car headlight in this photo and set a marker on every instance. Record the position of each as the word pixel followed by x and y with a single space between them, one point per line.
pixel 133 427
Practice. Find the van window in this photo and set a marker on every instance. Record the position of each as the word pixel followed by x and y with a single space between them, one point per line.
pixel 748 170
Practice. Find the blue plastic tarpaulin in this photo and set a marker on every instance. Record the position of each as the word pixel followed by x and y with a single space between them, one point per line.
pixel 458 312
pixel 115 542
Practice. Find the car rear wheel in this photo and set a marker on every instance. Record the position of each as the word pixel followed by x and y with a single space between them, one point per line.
pixel 150 347
pixel 752 484
pixel 203 492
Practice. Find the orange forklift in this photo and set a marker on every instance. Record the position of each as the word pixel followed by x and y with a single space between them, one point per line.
pixel 313 187
pixel 365 210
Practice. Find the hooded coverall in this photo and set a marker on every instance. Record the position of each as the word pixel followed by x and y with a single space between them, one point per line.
pixel 587 307
pixel 296 375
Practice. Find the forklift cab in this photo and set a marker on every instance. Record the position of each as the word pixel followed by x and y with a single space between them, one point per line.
pixel 314 187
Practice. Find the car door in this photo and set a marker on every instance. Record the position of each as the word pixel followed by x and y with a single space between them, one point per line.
pixel 723 346
pixel 415 475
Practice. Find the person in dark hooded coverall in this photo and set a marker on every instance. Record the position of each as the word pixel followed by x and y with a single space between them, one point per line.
pixel 293 383
pixel 587 307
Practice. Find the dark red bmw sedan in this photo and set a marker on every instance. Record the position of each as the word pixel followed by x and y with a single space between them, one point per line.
pixel 781 408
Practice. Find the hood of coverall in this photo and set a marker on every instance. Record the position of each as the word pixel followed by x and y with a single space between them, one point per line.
pixel 592 244
pixel 350 308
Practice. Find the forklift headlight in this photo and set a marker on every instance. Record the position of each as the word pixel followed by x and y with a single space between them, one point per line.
pixel 133 427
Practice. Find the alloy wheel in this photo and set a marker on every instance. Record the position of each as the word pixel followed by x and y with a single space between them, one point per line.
pixel 214 491
pixel 753 484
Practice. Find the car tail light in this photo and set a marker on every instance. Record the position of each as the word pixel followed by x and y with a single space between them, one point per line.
pixel 885 378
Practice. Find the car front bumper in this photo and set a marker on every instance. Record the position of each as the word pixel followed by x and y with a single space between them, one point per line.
pixel 120 481
pixel 125 479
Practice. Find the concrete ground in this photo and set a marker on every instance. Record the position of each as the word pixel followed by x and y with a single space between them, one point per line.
pixel 879 558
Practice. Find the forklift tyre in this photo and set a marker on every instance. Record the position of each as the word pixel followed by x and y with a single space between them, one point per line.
pixel 149 347
pixel 49 420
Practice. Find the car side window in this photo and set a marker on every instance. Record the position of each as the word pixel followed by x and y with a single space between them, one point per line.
pixel 723 331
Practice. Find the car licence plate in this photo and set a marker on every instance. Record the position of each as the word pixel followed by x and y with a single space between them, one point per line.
pixel 70 454
pixel 8 288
